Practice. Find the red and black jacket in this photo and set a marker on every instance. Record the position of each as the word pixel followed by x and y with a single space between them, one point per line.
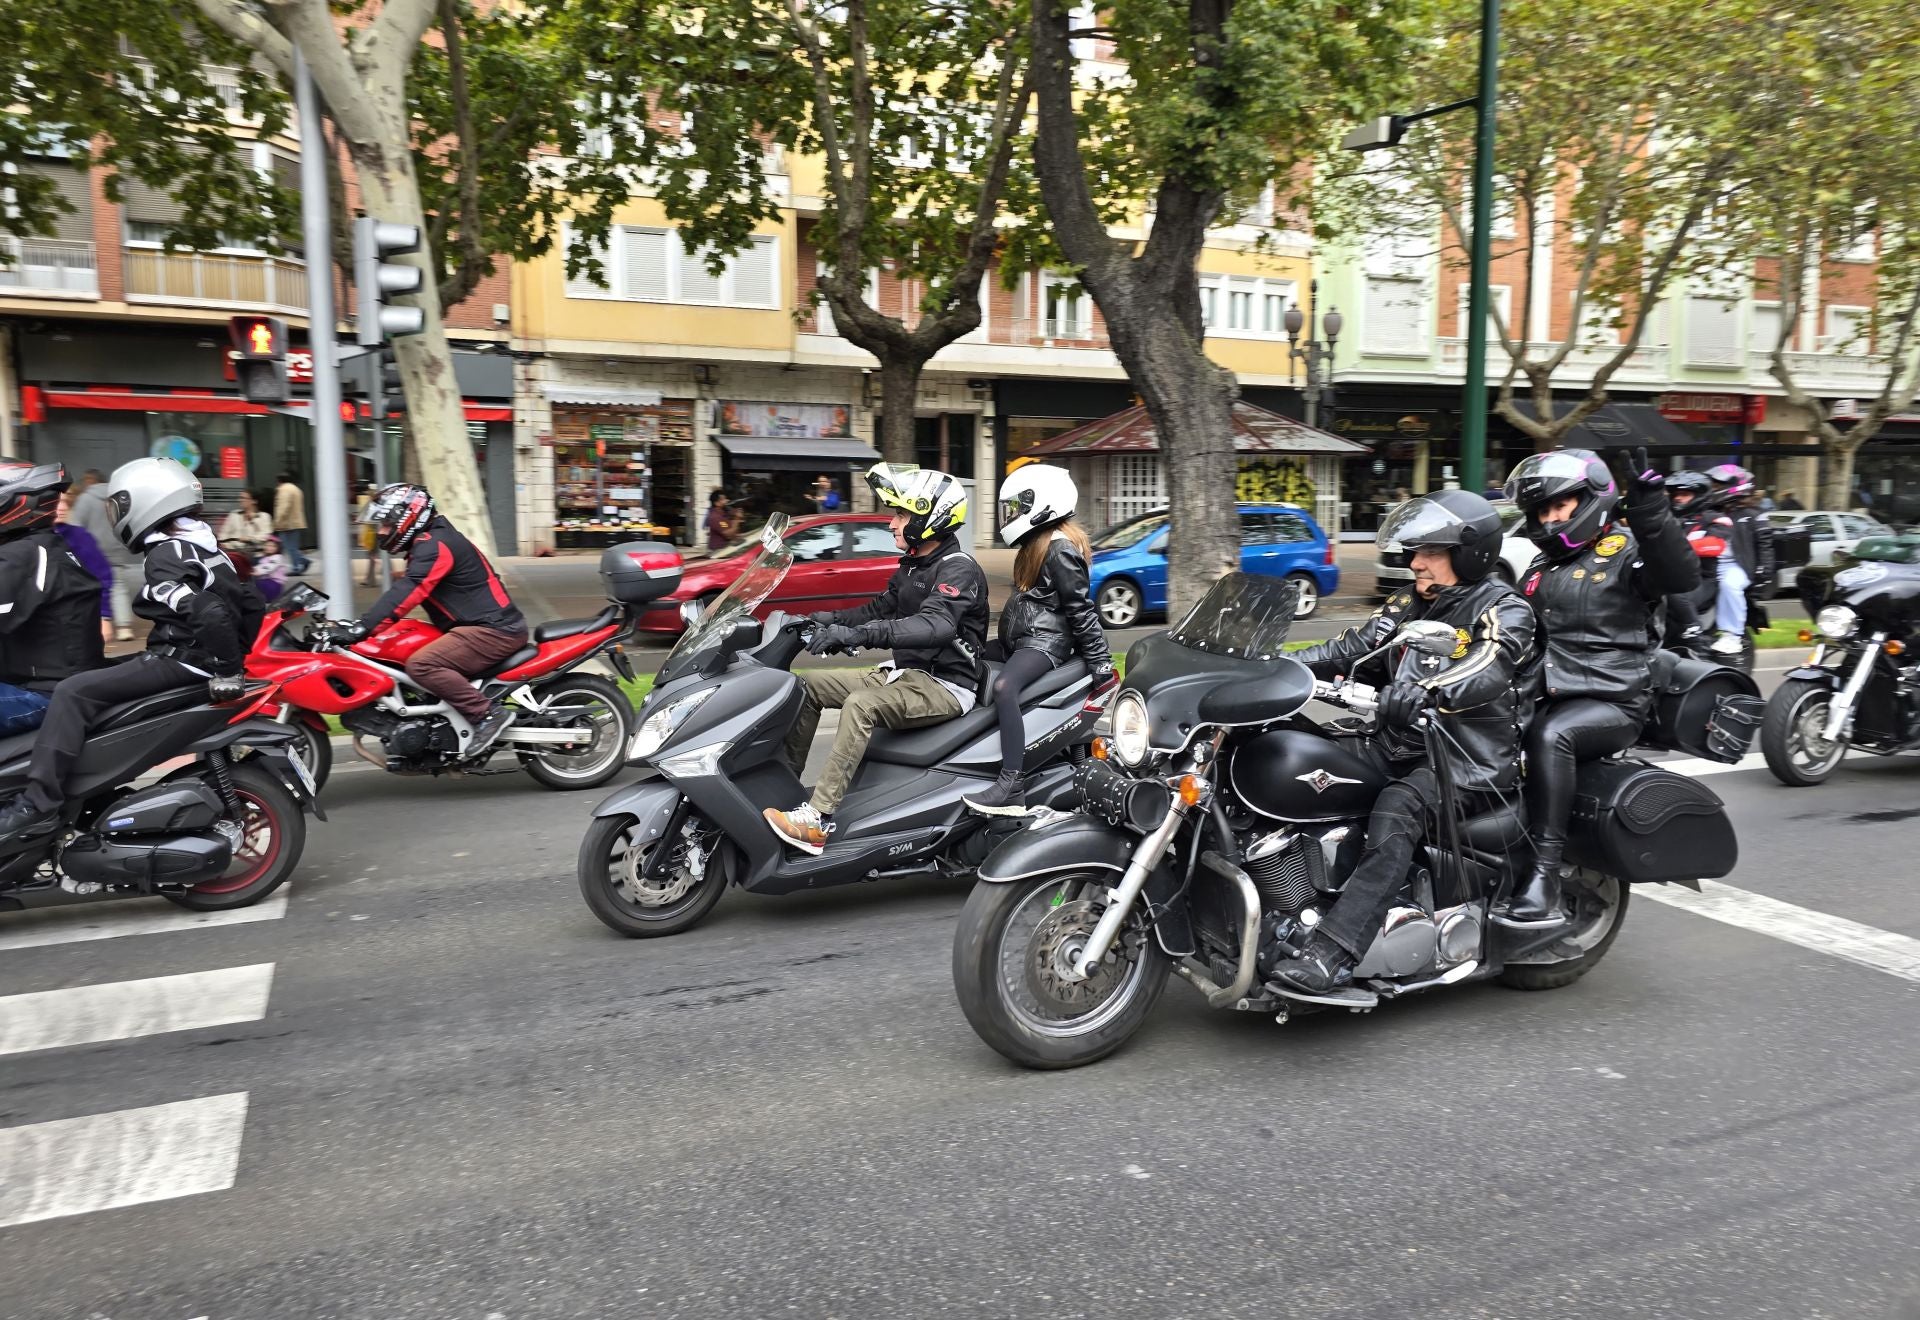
pixel 452 580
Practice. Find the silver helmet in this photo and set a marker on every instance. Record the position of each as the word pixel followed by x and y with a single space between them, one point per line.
pixel 147 494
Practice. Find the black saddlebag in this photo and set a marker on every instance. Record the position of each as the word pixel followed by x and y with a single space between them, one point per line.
pixel 1702 708
pixel 1643 824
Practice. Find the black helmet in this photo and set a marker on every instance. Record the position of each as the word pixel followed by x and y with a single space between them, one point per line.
pixel 29 496
pixel 1463 522
pixel 1544 478
pixel 1694 485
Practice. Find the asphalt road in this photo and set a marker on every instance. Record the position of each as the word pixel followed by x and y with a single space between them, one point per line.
pixel 432 1085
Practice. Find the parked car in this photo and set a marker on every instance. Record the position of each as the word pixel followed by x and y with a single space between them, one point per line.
pixel 839 560
pixel 1517 554
pixel 1129 571
pixel 1828 532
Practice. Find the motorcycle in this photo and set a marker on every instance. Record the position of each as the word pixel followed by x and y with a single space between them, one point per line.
pixel 572 727
pixel 1859 688
pixel 712 736
pixel 1220 821
pixel 223 831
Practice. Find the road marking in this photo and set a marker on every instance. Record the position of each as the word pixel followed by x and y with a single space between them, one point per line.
pixel 1695 767
pixel 122 1010
pixel 72 925
pixel 74 1166
pixel 1882 950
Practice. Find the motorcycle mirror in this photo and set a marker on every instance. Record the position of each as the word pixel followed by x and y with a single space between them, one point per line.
pixel 1428 638
pixel 690 612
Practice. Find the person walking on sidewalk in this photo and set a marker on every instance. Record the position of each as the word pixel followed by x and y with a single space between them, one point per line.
pixel 290 521
pixel 90 511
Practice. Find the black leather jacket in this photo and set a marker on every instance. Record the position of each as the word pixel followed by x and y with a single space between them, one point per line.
pixel 933 614
pixel 1598 608
pixel 447 574
pixel 1477 693
pixel 1056 613
pixel 49 612
pixel 202 613
pixel 1753 543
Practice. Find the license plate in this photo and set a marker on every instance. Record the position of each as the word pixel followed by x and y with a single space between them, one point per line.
pixel 304 775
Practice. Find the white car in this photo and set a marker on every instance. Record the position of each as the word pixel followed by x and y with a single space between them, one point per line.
pixel 1828 532
pixel 1517 554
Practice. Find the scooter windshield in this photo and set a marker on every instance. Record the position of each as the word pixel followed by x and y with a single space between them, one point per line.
pixel 746 594
pixel 1242 616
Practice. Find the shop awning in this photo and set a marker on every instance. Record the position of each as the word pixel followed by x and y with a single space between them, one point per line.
pixel 107 399
pixel 1617 424
pixel 595 396
pixel 1255 431
pixel 767 453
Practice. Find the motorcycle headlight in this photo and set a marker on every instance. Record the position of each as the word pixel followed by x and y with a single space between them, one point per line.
pixel 665 722
pixel 1130 729
pixel 1836 622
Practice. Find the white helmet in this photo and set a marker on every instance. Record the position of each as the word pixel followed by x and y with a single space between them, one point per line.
pixel 147 494
pixel 1037 495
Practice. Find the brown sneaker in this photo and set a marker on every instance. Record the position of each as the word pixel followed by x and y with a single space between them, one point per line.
pixel 803 827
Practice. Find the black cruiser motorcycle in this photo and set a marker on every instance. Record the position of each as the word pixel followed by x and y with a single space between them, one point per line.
pixel 1860 688
pixel 1223 821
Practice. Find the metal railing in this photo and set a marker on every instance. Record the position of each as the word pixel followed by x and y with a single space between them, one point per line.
pixel 1646 360
pixel 1856 367
pixel 62 267
pixel 1066 332
pixel 155 275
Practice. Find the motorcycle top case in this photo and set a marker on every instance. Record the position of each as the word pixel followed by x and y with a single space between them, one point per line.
pixel 1702 708
pixel 637 572
pixel 163 809
pixel 1643 824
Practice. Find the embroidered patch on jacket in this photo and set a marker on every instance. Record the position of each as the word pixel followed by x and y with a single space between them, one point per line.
pixel 948 589
pixel 1465 639
pixel 1533 582
pixel 1610 545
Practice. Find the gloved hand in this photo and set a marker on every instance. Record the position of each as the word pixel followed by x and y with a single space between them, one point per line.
pixel 347 632
pixel 1104 681
pixel 1632 470
pixel 226 687
pixel 1401 705
pixel 822 618
pixel 834 637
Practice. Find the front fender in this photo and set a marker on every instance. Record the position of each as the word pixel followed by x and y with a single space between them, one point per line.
pixel 649 801
pixel 1815 674
pixel 1074 843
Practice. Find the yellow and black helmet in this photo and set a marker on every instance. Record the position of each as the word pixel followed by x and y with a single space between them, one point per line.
pixel 935 503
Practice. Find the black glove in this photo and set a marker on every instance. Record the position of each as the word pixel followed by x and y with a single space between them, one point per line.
pixel 832 637
pixel 343 633
pixel 1400 707
pixel 822 618
pixel 226 687
pixel 1633 472
pixel 1104 681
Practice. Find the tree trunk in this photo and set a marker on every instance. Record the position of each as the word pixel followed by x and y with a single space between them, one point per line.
pixel 1836 476
pixel 899 393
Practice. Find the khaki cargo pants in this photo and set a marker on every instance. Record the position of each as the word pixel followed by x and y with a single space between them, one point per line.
pixel 866 701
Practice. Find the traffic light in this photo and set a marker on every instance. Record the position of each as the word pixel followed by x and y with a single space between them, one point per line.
pixel 375 279
pixel 259 357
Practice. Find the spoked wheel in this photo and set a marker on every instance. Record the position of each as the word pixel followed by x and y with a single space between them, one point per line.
pixel 1793 734
pixel 1013 955
pixel 1599 905
pixel 272 836
pixel 615 883
pixel 1119 603
pixel 598 712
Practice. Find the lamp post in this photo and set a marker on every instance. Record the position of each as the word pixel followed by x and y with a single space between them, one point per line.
pixel 1387 131
pixel 1316 355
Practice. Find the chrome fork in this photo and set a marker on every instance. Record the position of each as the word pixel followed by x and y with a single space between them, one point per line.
pixel 1841 712
pixel 1145 858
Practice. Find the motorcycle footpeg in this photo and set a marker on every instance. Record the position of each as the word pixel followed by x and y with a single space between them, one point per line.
pixel 1542 923
pixel 1347 997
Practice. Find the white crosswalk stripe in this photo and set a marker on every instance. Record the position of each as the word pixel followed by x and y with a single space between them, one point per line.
pixel 133 916
pixel 74 1166
pixel 123 1010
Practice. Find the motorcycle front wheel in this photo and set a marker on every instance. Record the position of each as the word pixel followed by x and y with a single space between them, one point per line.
pixel 1792 734
pixel 602 715
pixel 1012 955
pixel 614 882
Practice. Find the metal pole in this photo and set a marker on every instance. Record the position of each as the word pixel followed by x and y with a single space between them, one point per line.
pixel 1473 407
pixel 329 445
pixel 1312 353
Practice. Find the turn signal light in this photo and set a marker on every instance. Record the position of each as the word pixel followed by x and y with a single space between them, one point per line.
pixel 1192 789
pixel 1805 635
pixel 1895 647
pixel 1102 749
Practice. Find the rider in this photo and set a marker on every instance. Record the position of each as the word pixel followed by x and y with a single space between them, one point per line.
pixel 480 625
pixel 204 618
pixel 1709 532
pixel 1453 539
pixel 49 602
pixel 1597 588
pixel 1749 560
pixel 933 615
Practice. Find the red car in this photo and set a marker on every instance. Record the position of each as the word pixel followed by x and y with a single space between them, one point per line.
pixel 839 560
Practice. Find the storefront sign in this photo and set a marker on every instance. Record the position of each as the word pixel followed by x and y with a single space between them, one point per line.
pixel 806 421
pixel 178 448
pixel 1723 408
pixel 233 463
pixel 1375 426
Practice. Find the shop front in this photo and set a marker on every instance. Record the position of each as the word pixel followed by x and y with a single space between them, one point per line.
pixel 1886 470
pixel 622 470
pixel 775 455
pixel 1408 451
pixel 1030 412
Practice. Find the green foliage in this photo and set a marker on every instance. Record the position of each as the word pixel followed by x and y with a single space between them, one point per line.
pixel 1274 481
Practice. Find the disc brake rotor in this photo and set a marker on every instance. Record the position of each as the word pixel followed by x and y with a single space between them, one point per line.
pixel 659 890
pixel 1052 950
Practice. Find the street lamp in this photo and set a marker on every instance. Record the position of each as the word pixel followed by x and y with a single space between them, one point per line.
pixel 1315 354
pixel 1386 131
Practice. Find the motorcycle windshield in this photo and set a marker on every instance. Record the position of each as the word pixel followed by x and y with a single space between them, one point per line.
pixel 745 595
pixel 1242 616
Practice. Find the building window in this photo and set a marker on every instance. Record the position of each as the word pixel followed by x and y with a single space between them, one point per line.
pixel 1846 331
pixel 1599 324
pixel 1763 332
pixel 1501 298
pixel 1244 306
pixel 1395 319
pixel 1068 309
pixel 642 264
pixel 1713 332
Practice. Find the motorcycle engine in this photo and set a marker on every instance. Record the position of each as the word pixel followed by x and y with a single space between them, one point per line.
pixel 1291 868
pixel 413 740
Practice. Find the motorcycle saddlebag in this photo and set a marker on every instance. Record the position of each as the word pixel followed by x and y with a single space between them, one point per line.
pixel 1702 708
pixel 163 809
pixel 1643 824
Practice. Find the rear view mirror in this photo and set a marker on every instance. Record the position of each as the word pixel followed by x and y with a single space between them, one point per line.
pixel 690 612
pixel 1429 638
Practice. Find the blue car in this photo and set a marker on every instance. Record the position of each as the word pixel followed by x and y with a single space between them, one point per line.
pixel 1280 540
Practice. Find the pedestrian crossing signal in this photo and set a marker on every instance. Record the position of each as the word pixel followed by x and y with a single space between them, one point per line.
pixel 259 357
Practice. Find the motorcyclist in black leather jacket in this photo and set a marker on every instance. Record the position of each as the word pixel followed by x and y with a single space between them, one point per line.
pixel 1049 618
pixel 1690 613
pixel 1453 539
pixel 1597 588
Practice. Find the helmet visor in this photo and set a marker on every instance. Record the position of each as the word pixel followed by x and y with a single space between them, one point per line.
pixel 889 483
pixel 1016 505
pixel 1419 522
pixel 1551 468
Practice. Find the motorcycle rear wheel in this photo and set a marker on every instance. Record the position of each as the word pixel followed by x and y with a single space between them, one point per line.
pixel 274 835
pixel 1790 734
pixel 1007 974
pixel 1600 909
pixel 609 715
pixel 634 905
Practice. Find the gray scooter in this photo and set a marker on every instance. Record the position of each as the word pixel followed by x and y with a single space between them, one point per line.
pixel 712 732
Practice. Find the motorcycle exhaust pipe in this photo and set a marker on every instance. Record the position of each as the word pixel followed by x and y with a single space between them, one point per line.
pixel 367 756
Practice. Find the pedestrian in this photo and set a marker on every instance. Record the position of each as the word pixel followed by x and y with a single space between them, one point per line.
pixel 92 558
pixel 247 527
pixel 290 521
pixel 92 512
pixel 369 541
pixel 1790 503
pixel 270 569
pixel 1763 501
pixel 720 521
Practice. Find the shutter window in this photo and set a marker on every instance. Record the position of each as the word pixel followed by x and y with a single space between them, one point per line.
pixel 149 204
pixel 1395 316
pixel 71 185
pixel 754 275
pixel 1713 326
pixel 582 286
pixel 697 283
pixel 645 264
pixel 1764 332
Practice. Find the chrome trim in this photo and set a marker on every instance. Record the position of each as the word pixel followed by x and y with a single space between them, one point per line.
pixel 1840 712
pixel 1045 870
pixel 1249 930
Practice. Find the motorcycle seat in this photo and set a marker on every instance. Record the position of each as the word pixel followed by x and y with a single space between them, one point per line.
pixel 934 743
pixel 17 748
pixel 555 629
pixel 160 703
pixel 519 657
pixel 1498 831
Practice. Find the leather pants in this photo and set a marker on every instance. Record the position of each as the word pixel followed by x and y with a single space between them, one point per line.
pixel 1565 733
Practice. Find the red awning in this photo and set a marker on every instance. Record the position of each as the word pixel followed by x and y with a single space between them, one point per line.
pixel 1255 431
pixel 111 399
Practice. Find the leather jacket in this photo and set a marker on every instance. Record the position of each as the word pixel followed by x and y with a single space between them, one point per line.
pixel 1599 608
pixel 1753 543
pixel 1478 693
pixel 202 613
pixel 49 612
pixel 932 616
pixel 447 574
pixel 1056 613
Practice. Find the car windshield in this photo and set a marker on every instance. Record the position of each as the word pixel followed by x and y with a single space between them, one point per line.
pixel 739 600
pixel 1131 532
pixel 1243 615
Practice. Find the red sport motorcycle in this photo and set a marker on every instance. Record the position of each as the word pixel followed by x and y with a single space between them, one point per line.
pixel 572 727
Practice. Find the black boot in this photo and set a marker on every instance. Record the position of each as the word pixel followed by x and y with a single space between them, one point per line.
pixel 1006 796
pixel 21 815
pixel 1537 900
pixel 488 731
pixel 1321 966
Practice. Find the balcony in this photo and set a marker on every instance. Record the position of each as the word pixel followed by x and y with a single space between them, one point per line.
pixel 1056 332
pixel 48 268
pixel 1646 362
pixel 1853 371
pixel 215 279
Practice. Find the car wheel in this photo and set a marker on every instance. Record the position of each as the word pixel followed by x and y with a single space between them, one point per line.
pixel 1309 598
pixel 1119 603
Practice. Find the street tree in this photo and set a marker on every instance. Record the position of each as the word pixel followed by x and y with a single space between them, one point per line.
pixel 1202 104
pixel 916 111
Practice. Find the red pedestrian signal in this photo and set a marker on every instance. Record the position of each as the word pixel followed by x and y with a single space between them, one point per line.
pixel 258 338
